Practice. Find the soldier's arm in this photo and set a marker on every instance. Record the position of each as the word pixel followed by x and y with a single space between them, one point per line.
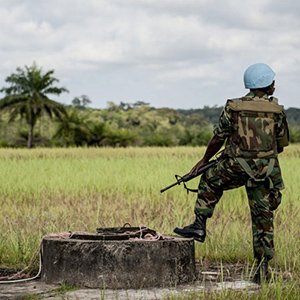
pixel 213 147
pixel 282 133
pixel 221 132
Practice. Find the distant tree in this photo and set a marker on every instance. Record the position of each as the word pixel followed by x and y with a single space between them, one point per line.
pixel 73 129
pixel 158 139
pixel 197 119
pixel 97 132
pixel 27 96
pixel 81 102
pixel 121 137
pixel 211 114
pixel 128 106
pixel 140 103
pixel 85 100
pixel 125 106
pixel 112 106
pixel 294 134
pixel 76 102
pixel 173 115
pixel 293 116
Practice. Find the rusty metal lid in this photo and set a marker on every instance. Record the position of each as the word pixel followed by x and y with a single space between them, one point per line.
pixel 115 233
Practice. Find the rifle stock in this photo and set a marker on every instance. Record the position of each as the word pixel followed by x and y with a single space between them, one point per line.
pixel 187 177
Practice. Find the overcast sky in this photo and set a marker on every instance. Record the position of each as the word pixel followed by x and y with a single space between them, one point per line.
pixel 169 53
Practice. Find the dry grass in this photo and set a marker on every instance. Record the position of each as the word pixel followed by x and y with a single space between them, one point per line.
pixel 54 190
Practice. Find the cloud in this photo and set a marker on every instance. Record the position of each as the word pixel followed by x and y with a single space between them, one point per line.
pixel 132 48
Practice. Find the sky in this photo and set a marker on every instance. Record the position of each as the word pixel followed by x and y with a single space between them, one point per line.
pixel 169 53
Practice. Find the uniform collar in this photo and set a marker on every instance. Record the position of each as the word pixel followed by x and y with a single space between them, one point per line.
pixel 252 95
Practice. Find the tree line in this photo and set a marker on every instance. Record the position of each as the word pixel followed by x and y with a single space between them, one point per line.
pixel 29 117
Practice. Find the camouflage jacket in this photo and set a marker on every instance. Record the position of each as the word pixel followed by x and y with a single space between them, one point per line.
pixel 252 126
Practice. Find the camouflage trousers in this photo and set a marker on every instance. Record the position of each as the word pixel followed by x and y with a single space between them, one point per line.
pixel 229 174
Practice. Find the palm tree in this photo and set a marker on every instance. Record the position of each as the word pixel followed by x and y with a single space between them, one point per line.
pixel 73 130
pixel 27 96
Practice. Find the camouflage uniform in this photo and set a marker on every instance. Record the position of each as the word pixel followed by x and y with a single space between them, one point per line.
pixel 250 159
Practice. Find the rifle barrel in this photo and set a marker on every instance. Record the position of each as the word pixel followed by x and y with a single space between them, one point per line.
pixel 188 177
pixel 170 186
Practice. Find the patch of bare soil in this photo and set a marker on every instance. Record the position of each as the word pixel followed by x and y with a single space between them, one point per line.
pixel 217 272
pixel 209 276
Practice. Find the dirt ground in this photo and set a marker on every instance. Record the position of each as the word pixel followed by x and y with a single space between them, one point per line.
pixel 209 277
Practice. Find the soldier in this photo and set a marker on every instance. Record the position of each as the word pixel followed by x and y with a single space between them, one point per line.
pixel 255 130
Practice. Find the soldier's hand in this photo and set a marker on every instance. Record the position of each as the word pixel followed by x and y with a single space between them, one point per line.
pixel 199 165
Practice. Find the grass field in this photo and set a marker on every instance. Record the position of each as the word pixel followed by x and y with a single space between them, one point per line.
pixel 55 190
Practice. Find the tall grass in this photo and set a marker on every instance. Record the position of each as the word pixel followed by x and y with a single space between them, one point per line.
pixel 54 190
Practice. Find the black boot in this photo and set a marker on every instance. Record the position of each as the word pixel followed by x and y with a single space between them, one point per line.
pixel 262 273
pixel 197 230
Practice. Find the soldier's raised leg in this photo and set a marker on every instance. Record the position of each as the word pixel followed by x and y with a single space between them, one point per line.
pixel 223 176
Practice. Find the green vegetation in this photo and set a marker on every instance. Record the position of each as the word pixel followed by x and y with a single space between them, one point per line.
pixel 27 97
pixel 27 113
pixel 116 126
pixel 80 189
pixel 109 184
pixel 121 125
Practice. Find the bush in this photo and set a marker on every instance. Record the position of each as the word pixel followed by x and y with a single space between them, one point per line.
pixel 158 139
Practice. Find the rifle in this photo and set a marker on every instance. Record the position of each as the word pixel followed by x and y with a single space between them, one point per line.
pixel 188 177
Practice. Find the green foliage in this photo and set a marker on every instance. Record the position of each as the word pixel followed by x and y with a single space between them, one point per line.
pixel 293 116
pixel 27 97
pixel 97 133
pixel 73 130
pixel 158 139
pixel 195 137
pixel 139 125
pixel 119 137
pixel 127 124
pixel 124 124
pixel 210 113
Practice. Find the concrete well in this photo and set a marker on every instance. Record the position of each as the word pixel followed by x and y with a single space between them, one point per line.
pixel 94 262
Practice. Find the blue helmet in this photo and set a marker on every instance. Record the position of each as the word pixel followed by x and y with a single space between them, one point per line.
pixel 258 76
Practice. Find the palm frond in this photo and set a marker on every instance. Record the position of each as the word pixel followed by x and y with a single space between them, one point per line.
pixel 27 95
pixel 55 90
pixel 10 101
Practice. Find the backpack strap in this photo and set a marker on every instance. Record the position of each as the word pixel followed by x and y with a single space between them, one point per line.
pixel 250 172
pixel 257 106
